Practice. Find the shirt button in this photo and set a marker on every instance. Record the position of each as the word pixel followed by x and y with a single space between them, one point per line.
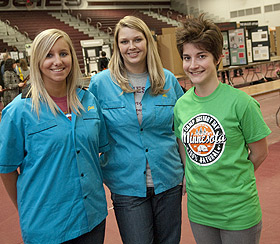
pixel 78 151
pixel 85 197
pixel 147 150
pixel 82 174
pixel 144 172
pixel 141 129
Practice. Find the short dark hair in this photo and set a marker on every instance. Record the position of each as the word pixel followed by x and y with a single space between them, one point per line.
pixel 9 64
pixel 103 54
pixel 202 33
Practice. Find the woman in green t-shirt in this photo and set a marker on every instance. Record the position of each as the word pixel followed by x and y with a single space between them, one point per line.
pixel 224 138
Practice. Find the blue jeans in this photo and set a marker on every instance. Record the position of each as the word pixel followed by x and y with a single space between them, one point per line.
pixel 149 220
pixel 209 235
pixel 96 236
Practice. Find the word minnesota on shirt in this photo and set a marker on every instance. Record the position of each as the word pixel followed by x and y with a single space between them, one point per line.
pixel 204 139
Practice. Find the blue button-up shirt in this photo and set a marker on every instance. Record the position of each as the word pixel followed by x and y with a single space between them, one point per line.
pixel 124 168
pixel 60 186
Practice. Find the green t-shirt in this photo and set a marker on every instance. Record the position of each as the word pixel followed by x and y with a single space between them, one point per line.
pixel 215 130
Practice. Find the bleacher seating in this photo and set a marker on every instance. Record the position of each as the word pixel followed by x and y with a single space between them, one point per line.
pixel 110 17
pixel 36 21
pixel 172 14
pixel 33 22
pixel 4 46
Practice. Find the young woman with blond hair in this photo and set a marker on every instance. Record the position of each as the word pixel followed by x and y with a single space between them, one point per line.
pixel 143 169
pixel 50 141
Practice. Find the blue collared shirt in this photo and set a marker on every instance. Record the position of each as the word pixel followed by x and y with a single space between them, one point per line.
pixel 124 168
pixel 60 188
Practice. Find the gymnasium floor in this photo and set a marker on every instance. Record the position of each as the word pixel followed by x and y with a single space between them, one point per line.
pixel 268 182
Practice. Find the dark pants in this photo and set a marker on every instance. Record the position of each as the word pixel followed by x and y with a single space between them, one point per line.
pixel 151 219
pixel 96 236
pixel 224 75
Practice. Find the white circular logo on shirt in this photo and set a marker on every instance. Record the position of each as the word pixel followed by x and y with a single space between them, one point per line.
pixel 204 139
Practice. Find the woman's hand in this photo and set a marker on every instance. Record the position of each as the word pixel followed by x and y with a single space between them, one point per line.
pixel 183 159
pixel 258 152
pixel 21 84
pixel 10 183
pixel 184 190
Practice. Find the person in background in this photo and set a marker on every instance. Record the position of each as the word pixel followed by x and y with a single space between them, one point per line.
pixel 225 76
pixel 50 140
pixel 224 135
pixel 103 61
pixel 2 82
pixel 14 49
pixel 23 70
pixel 238 72
pixel 16 68
pixel 12 82
pixel 5 57
pixel 1 92
pixel 143 169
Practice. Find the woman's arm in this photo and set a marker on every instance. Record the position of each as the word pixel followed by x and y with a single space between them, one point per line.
pixel 8 77
pixel 258 152
pixel 183 159
pixel 10 183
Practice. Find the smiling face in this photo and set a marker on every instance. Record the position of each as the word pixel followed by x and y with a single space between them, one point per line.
pixel 57 65
pixel 199 66
pixel 133 48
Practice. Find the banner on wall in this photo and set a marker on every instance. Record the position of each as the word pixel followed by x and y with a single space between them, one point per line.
pixel 249 50
pixel 249 24
pixel 74 4
pixel 225 26
pixel 39 4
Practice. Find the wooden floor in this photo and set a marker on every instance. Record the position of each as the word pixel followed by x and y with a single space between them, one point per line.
pixel 268 183
pixel 263 88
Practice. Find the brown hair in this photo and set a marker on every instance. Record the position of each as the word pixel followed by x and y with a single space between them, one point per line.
pixel 23 64
pixel 202 33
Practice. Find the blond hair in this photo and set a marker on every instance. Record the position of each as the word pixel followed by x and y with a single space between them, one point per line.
pixel 41 46
pixel 154 64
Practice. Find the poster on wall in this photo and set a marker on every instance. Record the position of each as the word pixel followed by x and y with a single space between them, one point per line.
pixel 260 36
pixel 237 47
pixel 249 51
pixel 260 43
pixel 226 56
pixel 261 53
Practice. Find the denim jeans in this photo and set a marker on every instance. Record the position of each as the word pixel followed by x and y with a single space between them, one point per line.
pixel 210 235
pixel 149 220
pixel 96 236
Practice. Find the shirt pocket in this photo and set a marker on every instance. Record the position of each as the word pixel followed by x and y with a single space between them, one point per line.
pixel 91 122
pixel 164 112
pixel 91 116
pixel 115 114
pixel 34 129
pixel 43 138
